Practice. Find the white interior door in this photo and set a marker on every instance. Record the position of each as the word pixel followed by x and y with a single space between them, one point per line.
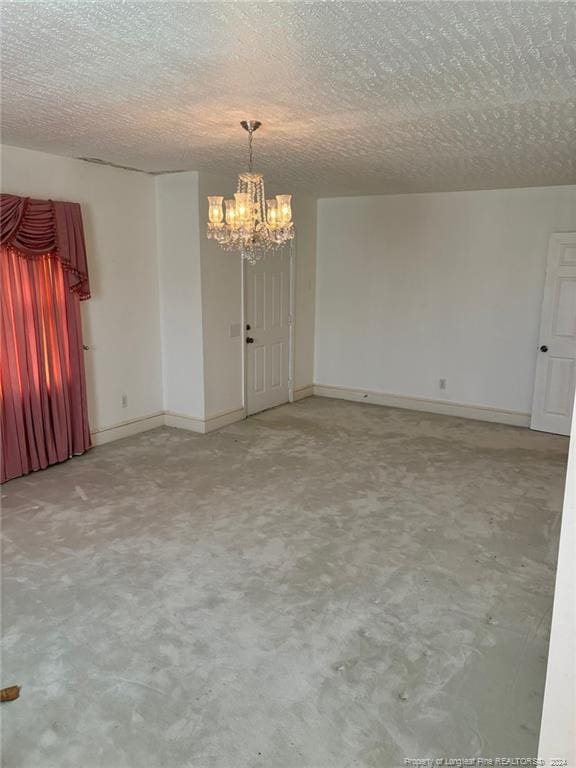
pixel 556 363
pixel 267 333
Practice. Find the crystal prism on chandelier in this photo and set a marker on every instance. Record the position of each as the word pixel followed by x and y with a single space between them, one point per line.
pixel 250 224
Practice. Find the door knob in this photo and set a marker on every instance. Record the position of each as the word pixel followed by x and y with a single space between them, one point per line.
pixel 249 340
pixel 543 348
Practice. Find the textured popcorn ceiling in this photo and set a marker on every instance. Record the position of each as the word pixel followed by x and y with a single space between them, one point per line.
pixel 355 97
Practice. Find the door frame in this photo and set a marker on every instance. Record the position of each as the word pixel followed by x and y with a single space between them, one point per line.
pixel 291 326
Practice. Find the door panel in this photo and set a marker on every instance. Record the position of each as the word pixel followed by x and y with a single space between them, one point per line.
pixel 556 363
pixel 560 375
pixel 276 309
pixel 258 290
pixel 259 363
pixel 565 307
pixel 276 373
pixel 268 315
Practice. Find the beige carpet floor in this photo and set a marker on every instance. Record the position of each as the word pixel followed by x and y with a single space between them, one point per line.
pixel 325 585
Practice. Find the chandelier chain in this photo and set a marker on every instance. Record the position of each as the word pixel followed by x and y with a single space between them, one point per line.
pixel 250 151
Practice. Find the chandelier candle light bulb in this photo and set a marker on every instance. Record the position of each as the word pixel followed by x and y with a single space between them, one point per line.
pixel 272 213
pixel 242 207
pixel 215 214
pixel 252 225
pixel 284 208
pixel 231 219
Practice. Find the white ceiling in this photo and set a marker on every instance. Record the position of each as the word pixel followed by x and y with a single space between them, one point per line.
pixel 356 97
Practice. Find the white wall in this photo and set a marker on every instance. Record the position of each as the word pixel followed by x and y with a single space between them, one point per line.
pixel 410 289
pixel 221 308
pixel 215 302
pixel 558 730
pixel 121 320
pixel 304 211
pixel 222 303
pixel 179 266
pixel 414 288
pixel 163 296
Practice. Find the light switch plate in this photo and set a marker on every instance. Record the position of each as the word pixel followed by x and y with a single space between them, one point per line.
pixel 235 330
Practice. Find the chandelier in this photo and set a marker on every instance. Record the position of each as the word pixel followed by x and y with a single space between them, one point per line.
pixel 250 223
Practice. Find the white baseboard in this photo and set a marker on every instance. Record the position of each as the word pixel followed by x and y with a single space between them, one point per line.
pixel 103 435
pixel 224 419
pixel 203 426
pixel 182 421
pixel 301 392
pixel 443 407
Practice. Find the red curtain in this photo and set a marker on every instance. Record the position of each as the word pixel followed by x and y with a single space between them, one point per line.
pixel 43 276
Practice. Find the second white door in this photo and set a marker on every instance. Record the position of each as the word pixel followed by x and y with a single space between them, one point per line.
pixel 556 362
pixel 267 332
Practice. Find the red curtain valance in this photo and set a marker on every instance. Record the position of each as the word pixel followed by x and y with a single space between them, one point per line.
pixel 37 228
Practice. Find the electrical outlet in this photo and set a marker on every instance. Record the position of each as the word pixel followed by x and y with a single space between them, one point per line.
pixel 442 383
pixel 124 400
